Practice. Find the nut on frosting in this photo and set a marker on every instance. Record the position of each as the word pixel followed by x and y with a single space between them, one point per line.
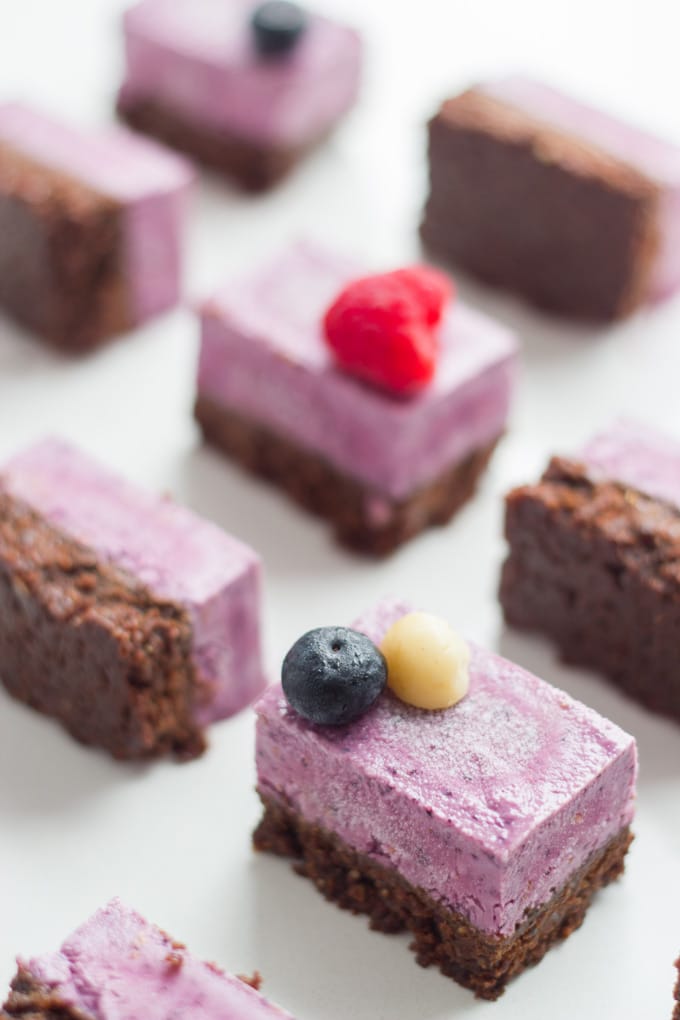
pixel 427 661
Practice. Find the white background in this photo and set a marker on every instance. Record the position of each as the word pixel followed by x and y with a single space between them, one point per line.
pixel 173 840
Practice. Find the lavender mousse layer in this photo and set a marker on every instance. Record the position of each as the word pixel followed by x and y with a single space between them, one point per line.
pixel 194 72
pixel 117 966
pixel 488 808
pixel 636 456
pixel 264 359
pixel 655 158
pixel 83 176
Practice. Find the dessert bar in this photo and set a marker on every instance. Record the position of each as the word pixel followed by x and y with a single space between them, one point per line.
pixel 124 616
pixel 594 560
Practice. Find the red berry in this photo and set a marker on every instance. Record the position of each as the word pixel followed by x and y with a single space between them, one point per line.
pixel 384 328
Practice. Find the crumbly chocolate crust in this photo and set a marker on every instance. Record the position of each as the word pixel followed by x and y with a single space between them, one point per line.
pixel 31 1000
pixel 596 567
pixel 82 642
pixel 317 486
pixel 252 166
pixel 533 210
pixel 441 937
pixel 60 256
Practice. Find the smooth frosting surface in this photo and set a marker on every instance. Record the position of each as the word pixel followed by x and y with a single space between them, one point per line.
pixel 488 806
pixel 263 354
pixel 654 157
pixel 177 555
pixel 151 184
pixel 117 966
pixel 637 456
pixel 198 57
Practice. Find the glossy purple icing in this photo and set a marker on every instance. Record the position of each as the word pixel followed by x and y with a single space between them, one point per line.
pixel 488 806
pixel 151 184
pixel 197 57
pixel 117 966
pixel 637 456
pixel 264 356
pixel 657 159
pixel 177 555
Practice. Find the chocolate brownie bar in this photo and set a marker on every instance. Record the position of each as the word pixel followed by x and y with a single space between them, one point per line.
pixel 542 195
pixel 251 112
pixel 484 829
pixel 126 618
pixel 117 964
pixel 593 561
pixel 90 228
pixel 380 468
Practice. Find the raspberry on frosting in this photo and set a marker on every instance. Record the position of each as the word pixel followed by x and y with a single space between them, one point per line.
pixel 385 328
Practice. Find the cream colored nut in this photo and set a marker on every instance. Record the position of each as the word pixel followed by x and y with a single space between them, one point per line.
pixel 427 662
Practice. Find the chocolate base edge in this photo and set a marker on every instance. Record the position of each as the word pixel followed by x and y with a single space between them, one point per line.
pixel 83 643
pixel 318 487
pixel 253 166
pixel 481 962
pixel 585 244
pixel 60 258
pixel 29 999
pixel 596 567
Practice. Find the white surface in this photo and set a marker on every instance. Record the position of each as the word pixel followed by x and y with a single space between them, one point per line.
pixel 174 840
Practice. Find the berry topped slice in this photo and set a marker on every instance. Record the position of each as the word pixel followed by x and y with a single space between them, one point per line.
pixel 385 328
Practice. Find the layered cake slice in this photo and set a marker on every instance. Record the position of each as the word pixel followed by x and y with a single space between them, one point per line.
pixel 124 616
pixel 91 228
pixel 117 966
pixel 594 560
pixel 467 802
pixel 538 193
pixel 245 87
pixel 337 390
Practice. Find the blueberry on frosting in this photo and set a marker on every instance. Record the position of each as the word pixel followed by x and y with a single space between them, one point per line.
pixel 277 27
pixel 332 675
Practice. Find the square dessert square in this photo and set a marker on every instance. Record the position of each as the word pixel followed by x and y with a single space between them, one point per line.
pixel 199 77
pixel 118 964
pixel 594 561
pixel 538 193
pixel 91 228
pixel 483 829
pixel 124 616
pixel 379 468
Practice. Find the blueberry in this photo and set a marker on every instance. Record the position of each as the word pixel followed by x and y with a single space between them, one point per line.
pixel 277 26
pixel 332 675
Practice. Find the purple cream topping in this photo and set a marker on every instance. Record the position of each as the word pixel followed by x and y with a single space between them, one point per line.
pixel 263 355
pixel 638 457
pixel 151 184
pixel 198 57
pixel 117 966
pixel 489 806
pixel 655 158
pixel 167 548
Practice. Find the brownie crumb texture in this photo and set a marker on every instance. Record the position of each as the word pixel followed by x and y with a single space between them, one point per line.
pixel 61 271
pixel 321 489
pixel 585 242
pixel 31 1000
pixel 82 642
pixel 596 567
pixel 479 961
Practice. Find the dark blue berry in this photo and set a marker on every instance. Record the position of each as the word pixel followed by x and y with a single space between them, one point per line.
pixel 277 26
pixel 332 675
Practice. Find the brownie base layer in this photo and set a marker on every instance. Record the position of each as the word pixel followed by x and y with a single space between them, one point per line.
pixel 31 1000
pixel 255 167
pixel 317 486
pixel 441 937
pixel 596 567
pixel 61 270
pixel 82 642
pixel 527 208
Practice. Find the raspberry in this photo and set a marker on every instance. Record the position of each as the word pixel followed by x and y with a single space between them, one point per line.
pixel 384 328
